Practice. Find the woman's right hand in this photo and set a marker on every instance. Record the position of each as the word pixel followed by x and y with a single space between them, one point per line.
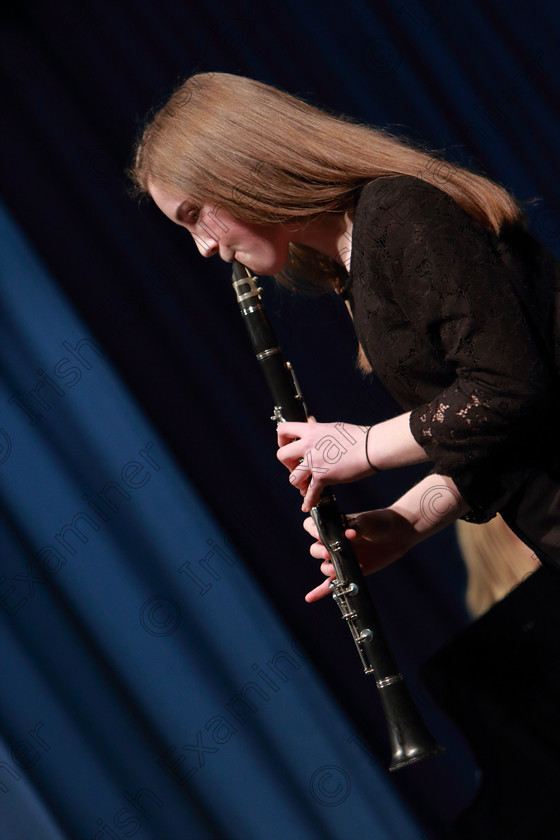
pixel 378 537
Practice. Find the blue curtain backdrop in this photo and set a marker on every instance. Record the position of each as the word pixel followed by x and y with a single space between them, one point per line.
pixel 161 675
pixel 151 685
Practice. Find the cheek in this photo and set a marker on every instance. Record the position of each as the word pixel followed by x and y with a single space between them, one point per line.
pixel 274 240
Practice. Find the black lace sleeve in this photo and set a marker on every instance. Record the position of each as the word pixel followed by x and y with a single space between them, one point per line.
pixel 472 364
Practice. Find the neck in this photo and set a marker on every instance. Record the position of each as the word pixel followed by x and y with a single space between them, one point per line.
pixel 330 235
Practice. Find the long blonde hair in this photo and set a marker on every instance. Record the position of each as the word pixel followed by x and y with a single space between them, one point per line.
pixel 269 157
pixel 496 560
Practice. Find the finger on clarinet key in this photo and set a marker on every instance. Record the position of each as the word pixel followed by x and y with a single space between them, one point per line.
pixel 319 592
pixel 319 552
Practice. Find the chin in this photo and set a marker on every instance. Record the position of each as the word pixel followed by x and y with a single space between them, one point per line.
pixel 258 267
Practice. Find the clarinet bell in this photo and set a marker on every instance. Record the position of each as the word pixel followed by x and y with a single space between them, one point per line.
pixel 410 739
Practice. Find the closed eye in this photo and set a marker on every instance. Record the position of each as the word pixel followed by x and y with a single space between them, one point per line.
pixel 187 212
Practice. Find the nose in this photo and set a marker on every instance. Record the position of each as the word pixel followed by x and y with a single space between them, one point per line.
pixel 207 245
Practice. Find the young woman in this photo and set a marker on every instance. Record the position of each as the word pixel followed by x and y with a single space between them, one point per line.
pixel 455 305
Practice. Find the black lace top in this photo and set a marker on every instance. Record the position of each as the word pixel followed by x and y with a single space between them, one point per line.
pixel 458 324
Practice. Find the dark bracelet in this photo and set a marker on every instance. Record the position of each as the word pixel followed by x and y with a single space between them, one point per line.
pixel 367 456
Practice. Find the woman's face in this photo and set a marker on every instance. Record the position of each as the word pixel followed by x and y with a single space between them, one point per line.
pixel 262 248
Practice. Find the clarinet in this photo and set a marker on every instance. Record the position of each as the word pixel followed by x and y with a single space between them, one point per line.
pixel 409 737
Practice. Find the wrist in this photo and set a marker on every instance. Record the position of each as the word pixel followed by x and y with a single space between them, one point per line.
pixel 390 444
pixel 430 505
pixel 371 465
pixel 405 535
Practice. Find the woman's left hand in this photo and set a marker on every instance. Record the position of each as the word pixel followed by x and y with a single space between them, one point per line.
pixel 379 537
pixel 318 454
